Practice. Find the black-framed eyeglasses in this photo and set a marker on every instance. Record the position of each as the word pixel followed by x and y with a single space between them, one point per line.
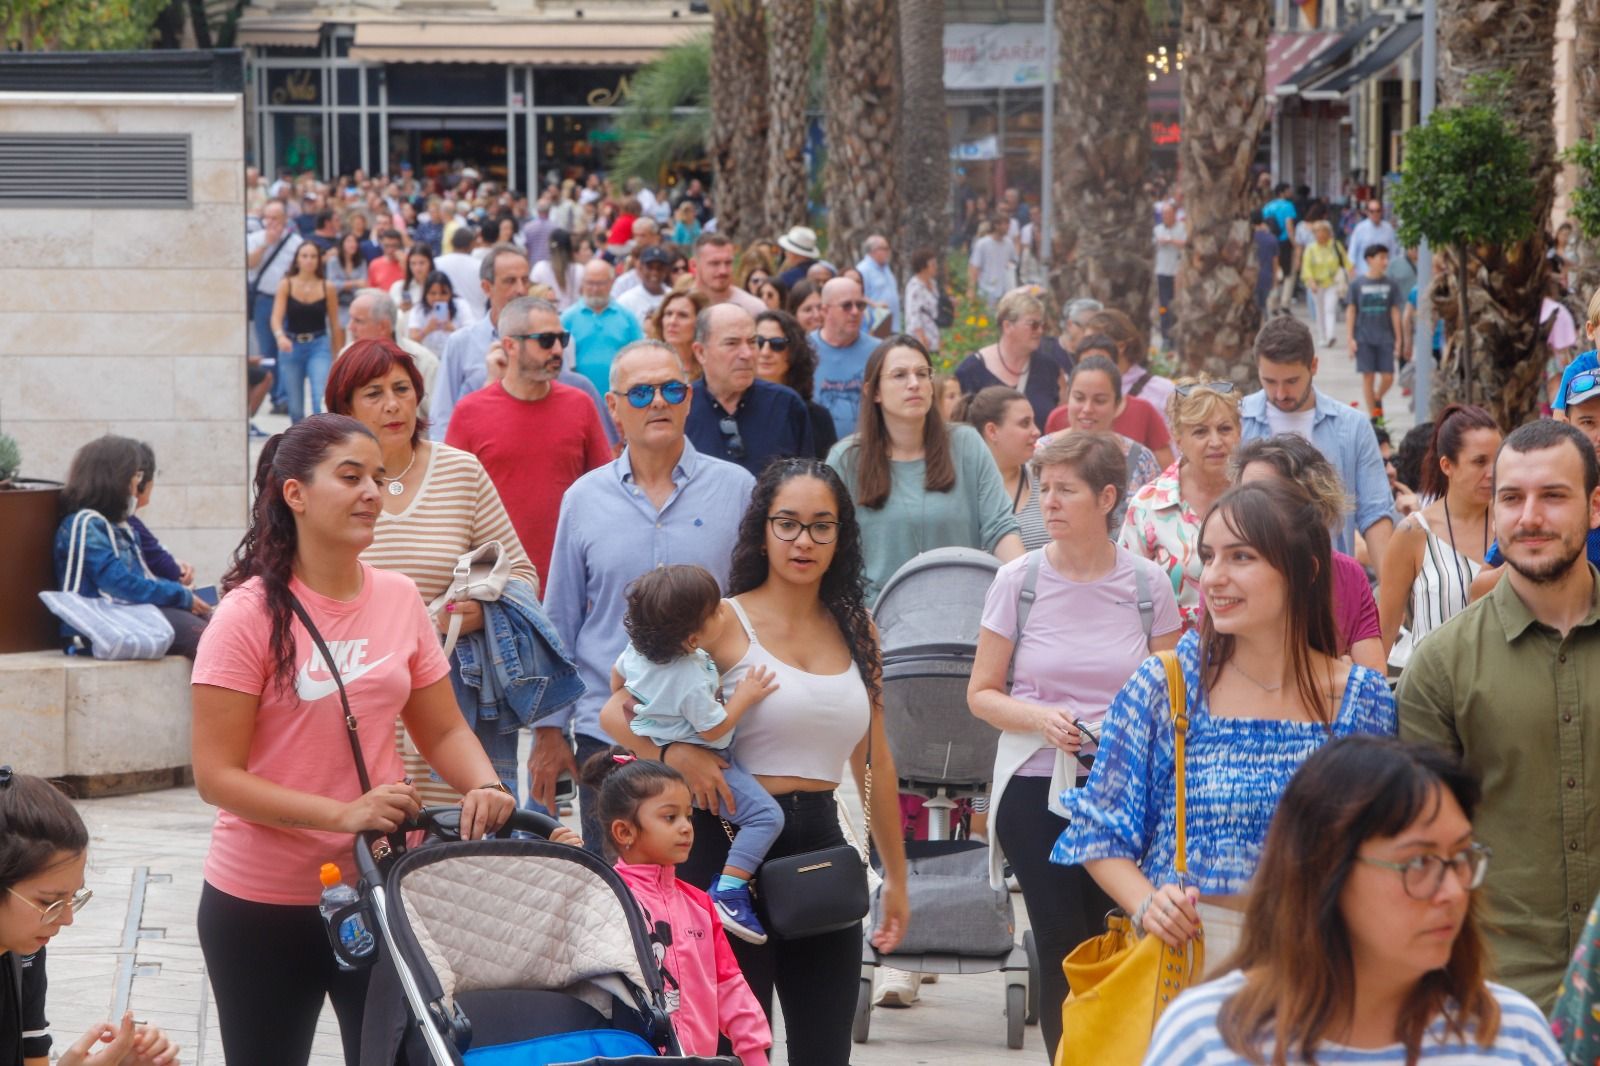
pixel 1221 388
pixel 789 529
pixel 51 914
pixel 546 341
pixel 1583 384
pixel 642 396
pixel 1422 876
pixel 731 439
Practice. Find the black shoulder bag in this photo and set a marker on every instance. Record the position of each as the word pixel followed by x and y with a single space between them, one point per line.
pixel 396 841
pixel 821 891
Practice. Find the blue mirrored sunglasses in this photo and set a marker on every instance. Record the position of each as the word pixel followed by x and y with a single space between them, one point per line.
pixel 641 396
pixel 1582 385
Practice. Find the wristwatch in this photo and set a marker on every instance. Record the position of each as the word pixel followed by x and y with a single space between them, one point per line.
pixel 497 786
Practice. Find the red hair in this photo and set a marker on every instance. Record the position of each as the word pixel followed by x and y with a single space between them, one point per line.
pixel 362 362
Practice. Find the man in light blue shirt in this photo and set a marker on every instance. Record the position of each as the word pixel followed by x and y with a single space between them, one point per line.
pixel 504 277
pixel 842 348
pixel 660 502
pixel 1374 229
pixel 1289 402
pixel 600 329
pixel 879 282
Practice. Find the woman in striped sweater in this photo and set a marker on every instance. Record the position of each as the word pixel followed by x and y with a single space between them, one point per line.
pixel 438 505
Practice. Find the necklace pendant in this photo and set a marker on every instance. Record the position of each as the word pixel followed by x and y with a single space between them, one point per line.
pixel 396 489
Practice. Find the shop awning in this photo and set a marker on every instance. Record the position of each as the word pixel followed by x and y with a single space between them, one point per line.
pixel 569 41
pixel 1332 56
pixel 1399 40
pixel 1289 52
pixel 285 33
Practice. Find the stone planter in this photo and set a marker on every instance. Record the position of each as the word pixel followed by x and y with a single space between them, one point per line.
pixel 28 517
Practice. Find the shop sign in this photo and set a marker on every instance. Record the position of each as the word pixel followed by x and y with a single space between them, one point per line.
pixel 972 151
pixel 985 56
pixel 288 88
pixel 1165 134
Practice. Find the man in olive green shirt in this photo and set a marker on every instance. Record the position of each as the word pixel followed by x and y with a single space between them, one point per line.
pixel 1512 684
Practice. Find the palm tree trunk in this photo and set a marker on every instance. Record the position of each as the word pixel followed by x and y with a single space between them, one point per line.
pixel 1586 14
pixel 739 117
pixel 924 144
pixel 1101 241
pixel 862 116
pixel 1225 109
pixel 1506 283
pixel 789 28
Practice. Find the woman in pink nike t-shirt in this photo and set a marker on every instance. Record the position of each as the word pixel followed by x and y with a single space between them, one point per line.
pixel 270 744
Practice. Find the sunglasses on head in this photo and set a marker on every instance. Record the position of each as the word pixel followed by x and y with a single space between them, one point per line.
pixel 1583 384
pixel 1221 388
pixel 642 396
pixel 544 340
pixel 777 344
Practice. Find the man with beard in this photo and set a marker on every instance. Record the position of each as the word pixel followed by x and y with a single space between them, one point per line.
pixel 1511 685
pixel 600 328
pixel 534 435
pixel 1289 402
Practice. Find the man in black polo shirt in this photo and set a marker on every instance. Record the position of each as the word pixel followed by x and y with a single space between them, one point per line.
pixel 733 415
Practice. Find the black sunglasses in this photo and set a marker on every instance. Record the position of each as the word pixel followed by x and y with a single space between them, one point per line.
pixel 642 396
pixel 777 344
pixel 734 442
pixel 543 340
pixel 1221 388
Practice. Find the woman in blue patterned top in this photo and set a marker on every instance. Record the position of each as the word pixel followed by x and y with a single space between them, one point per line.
pixel 1264 691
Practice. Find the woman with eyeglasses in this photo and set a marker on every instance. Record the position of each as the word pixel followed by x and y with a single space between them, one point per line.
pixel 43 851
pixel 1163 519
pixel 917 483
pixel 1014 360
pixel 1264 690
pixel 1361 941
pixel 673 322
pixel 795 588
pixel 784 356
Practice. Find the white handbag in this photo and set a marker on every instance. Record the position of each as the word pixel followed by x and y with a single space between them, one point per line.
pixel 481 574
pixel 115 630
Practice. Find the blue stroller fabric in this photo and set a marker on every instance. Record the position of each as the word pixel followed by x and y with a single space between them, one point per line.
pixel 562 1048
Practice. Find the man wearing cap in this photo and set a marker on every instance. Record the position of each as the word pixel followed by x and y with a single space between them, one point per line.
pixel 799 252
pixel 646 234
pixel 642 300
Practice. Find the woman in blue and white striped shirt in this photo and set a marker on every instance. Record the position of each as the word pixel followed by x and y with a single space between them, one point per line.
pixel 1361 942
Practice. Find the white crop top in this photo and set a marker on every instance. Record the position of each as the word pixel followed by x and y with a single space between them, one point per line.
pixel 808 727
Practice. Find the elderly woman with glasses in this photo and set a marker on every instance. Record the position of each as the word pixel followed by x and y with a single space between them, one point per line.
pixel 917 483
pixel 1361 940
pixel 1015 359
pixel 43 851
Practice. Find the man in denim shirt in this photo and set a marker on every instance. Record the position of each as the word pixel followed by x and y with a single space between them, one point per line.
pixel 1286 362
pixel 660 502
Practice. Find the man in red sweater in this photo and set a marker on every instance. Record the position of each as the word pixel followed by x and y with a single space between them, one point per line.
pixel 534 435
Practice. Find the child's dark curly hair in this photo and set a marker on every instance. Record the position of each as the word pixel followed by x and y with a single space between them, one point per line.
pixel 666 607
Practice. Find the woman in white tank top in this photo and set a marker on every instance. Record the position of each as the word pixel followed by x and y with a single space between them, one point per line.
pixel 795 584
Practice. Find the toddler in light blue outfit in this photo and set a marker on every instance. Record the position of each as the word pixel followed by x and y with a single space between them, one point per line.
pixel 672 611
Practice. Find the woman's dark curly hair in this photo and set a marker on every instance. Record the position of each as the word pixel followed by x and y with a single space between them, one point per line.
pixel 802 357
pixel 842 590
pixel 269 545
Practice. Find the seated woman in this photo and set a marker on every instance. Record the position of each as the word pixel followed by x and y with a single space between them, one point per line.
pixel 103 485
pixel 1361 941
pixel 157 559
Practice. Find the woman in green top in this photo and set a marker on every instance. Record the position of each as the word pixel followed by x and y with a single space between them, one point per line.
pixel 917 483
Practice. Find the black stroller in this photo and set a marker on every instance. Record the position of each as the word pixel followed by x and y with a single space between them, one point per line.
pixel 928 615
pixel 507 952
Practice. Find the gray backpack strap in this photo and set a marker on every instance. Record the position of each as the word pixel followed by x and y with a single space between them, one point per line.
pixel 1147 603
pixel 1025 598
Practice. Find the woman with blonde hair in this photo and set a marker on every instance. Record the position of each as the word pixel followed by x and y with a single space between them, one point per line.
pixel 1325 269
pixel 1014 359
pixel 1163 520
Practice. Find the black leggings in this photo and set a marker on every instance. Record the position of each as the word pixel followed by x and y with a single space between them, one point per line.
pixel 816 978
pixel 270 967
pixel 1065 905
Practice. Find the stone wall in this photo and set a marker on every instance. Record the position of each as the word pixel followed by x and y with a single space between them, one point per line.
pixel 132 320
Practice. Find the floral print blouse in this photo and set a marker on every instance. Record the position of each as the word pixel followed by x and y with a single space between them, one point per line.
pixel 1161 526
pixel 1576 1019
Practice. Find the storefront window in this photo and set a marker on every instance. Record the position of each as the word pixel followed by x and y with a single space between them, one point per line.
pixel 299 142
pixel 294 87
pixel 573 144
pixel 594 87
pixel 446 85
pixel 349 143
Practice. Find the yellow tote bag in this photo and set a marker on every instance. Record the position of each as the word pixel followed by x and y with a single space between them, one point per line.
pixel 1120 983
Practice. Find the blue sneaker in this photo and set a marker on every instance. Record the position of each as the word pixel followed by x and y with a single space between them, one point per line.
pixel 738 913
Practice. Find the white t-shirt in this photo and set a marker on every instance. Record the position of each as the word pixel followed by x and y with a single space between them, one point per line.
pixel 994 257
pixel 266 283
pixel 1168 255
pixel 435 342
pixel 462 270
pixel 640 302
pixel 1298 423
pixel 1187 1035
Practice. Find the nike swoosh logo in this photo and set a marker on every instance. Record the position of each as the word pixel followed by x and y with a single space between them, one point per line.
pixel 311 690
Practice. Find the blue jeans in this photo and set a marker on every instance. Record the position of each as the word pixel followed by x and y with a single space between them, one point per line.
pixel 305 359
pixel 758 818
pixel 266 344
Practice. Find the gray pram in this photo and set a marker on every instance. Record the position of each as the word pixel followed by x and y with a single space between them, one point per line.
pixel 928 618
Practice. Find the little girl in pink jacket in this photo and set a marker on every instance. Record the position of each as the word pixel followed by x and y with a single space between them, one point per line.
pixel 647 814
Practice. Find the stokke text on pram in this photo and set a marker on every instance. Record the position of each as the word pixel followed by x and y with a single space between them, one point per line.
pixel 508 952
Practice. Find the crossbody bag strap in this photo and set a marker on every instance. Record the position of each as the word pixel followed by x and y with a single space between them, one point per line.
pixel 72 577
pixel 344 701
pixel 255 282
pixel 1177 693
pixel 1147 602
pixel 1025 597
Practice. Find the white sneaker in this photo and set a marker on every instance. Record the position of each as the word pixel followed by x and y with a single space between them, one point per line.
pixel 896 988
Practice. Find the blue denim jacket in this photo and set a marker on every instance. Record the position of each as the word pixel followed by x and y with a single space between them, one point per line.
pixel 515 664
pixel 112 567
